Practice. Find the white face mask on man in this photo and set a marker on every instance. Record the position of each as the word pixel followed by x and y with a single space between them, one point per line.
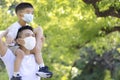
pixel 28 18
pixel 30 42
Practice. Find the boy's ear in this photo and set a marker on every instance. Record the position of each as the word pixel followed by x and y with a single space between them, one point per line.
pixel 20 41
pixel 19 14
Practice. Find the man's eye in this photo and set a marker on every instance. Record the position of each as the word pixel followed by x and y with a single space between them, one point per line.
pixel 27 35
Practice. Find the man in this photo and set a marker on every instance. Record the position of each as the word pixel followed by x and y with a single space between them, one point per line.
pixel 25 37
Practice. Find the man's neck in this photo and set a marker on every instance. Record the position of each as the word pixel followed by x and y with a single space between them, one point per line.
pixel 25 51
pixel 22 23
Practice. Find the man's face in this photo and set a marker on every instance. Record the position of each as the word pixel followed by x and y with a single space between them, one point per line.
pixel 24 34
pixel 21 13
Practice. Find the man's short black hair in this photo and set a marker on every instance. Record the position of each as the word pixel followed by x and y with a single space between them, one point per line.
pixel 22 6
pixel 22 29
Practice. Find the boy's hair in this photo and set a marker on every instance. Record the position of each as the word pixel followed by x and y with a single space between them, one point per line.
pixel 22 29
pixel 22 6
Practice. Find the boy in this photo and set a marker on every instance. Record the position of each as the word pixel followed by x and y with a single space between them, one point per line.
pixel 24 13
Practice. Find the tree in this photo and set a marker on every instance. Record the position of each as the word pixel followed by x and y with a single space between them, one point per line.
pixel 96 61
pixel 71 27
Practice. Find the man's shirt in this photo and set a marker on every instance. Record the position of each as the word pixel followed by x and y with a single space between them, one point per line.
pixel 28 67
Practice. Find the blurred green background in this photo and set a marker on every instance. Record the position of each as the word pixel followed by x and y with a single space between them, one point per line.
pixel 82 43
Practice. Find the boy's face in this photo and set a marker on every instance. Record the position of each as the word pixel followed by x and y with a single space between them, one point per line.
pixel 21 13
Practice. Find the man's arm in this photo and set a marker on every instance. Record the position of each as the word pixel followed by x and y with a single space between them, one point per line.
pixel 39 43
pixel 3 47
pixel 39 39
pixel 9 36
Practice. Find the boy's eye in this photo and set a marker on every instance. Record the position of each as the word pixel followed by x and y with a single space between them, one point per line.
pixel 29 12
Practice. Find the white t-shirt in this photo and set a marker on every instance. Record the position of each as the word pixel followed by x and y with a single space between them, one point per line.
pixel 28 67
pixel 13 29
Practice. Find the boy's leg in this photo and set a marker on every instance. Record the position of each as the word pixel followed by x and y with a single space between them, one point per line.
pixel 19 56
pixel 43 70
pixel 39 44
pixel 39 59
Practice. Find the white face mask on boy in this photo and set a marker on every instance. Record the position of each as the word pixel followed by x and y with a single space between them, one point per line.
pixel 30 42
pixel 28 18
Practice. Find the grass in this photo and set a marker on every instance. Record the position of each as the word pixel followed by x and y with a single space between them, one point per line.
pixel 3 75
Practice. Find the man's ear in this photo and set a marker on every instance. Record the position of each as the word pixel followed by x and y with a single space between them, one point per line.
pixel 20 41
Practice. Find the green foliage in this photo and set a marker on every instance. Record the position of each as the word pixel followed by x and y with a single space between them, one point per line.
pixel 91 66
pixel 68 25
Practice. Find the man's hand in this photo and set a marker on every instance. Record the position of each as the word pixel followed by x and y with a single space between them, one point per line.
pixel 39 34
pixel 38 31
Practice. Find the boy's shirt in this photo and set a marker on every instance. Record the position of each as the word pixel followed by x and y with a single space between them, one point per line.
pixel 13 29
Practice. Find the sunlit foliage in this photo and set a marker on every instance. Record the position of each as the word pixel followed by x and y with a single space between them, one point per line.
pixel 68 25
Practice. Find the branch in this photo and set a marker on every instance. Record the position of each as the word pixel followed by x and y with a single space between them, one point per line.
pixel 108 31
pixel 109 12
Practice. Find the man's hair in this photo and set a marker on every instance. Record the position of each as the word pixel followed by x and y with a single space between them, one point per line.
pixel 22 6
pixel 22 29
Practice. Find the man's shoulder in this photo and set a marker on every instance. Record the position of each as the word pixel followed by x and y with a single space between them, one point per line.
pixel 8 56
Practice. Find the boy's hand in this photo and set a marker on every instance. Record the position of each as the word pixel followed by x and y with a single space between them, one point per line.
pixel 9 40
